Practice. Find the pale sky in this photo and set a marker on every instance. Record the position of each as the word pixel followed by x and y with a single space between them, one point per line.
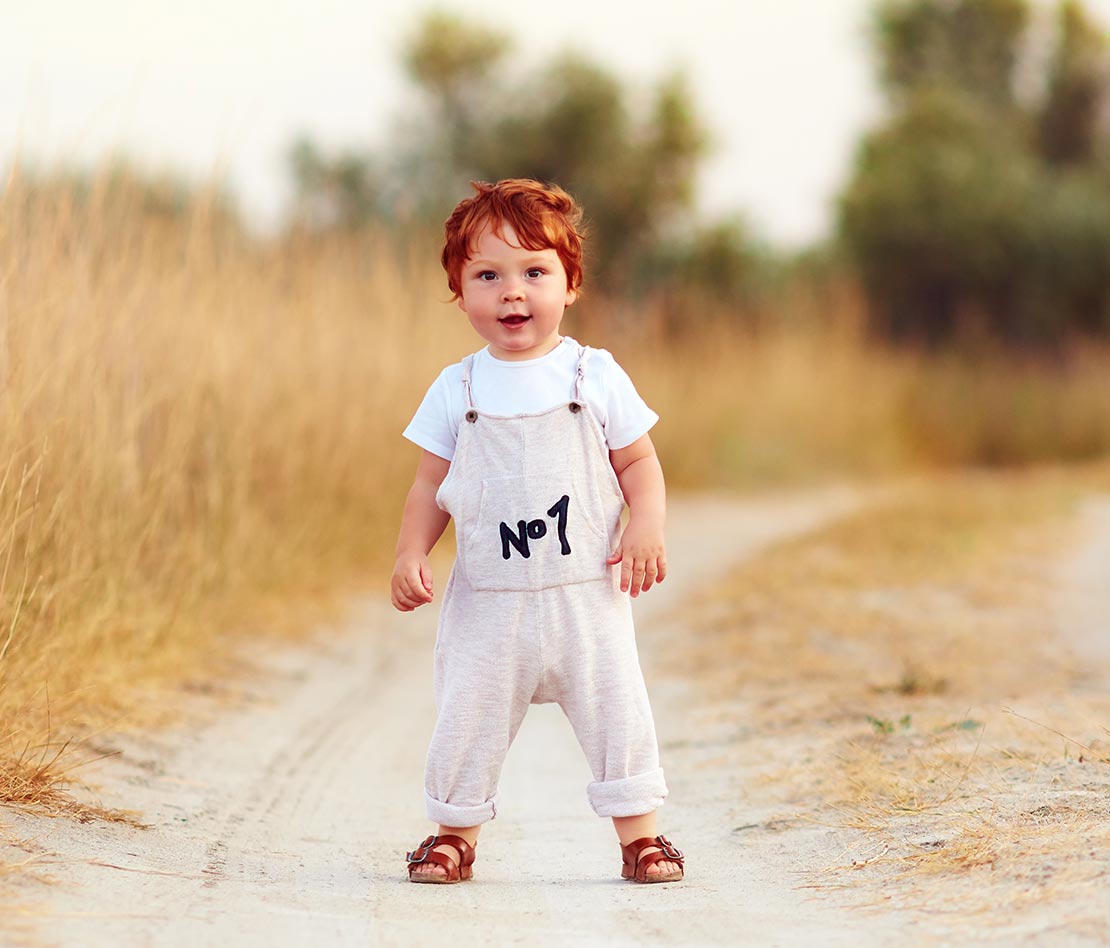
pixel 220 87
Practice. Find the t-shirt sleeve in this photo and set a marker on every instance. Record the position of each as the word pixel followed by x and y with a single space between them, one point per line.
pixel 434 426
pixel 627 416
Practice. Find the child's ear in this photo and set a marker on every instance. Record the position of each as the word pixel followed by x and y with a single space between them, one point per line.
pixel 461 303
pixel 572 295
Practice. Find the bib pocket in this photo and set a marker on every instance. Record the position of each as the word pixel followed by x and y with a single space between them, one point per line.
pixel 534 533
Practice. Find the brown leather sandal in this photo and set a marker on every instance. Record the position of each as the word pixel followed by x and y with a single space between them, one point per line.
pixel 457 870
pixel 635 866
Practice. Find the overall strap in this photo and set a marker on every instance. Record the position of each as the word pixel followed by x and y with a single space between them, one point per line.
pixel 580 375
pixel 467 363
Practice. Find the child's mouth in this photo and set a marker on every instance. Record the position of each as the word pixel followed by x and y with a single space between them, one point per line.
pixel 514 320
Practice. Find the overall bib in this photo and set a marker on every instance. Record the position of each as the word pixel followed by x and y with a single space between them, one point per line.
pixel 532 613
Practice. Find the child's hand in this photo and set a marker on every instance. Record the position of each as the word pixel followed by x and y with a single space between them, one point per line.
pixel 642 557
pixel 411 584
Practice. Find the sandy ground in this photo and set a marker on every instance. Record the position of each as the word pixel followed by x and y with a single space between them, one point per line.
pixel 285 820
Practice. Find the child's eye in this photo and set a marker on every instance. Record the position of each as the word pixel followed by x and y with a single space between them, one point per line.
pixel 533 272
pixel 486 276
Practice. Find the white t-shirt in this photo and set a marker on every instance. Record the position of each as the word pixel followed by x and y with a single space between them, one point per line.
pixel 514 388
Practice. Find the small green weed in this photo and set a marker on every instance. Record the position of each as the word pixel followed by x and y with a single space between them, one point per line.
pixel 886 726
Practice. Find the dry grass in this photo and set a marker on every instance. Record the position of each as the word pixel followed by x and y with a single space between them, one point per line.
pixel 37 779
pixel 808 395
pixel 198 440
pixel 902 674
pixel 200 434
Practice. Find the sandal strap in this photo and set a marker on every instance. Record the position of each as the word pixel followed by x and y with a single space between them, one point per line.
pixel 422 851
pixel 632 850
pixel 425 852
pixel 465 850
pixel 667 851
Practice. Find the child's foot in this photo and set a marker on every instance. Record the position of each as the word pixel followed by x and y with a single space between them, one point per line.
pixel 442 858
pixel 652 859
pixel 663 867
pixel 434 868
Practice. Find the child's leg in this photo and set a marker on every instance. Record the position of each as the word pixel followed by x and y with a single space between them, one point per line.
pixel 486 670
pixel 601 690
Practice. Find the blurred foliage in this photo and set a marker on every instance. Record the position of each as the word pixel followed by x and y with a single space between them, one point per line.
pixel 975 211
pixel 453 62
pixel 1077 82
pixel 717 268
pixel 151 195
pixel 971 45
pixel 632 176
pixel 340 192
pixel 629 156
pixel 140 204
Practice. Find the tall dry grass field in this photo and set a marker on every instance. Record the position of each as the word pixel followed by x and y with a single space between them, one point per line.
pixel 194 431
pixel 200 433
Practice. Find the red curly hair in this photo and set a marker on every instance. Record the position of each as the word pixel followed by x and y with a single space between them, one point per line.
pixel 543 216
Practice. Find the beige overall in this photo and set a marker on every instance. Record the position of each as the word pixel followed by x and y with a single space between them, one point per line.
pixel 533 614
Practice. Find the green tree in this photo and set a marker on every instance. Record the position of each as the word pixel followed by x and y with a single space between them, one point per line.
pixel 577 129
pixel 568 120
pixel 1077 89
pixel 971 207
pixel 716 268
pixel 453 61
pixel 938 215
pixel 972 45
pixel 339 192
pixel 1069 278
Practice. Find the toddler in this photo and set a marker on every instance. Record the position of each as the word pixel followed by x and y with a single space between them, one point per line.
pixel 533 445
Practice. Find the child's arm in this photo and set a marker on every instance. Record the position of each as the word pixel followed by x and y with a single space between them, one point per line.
pixel 640 551
pixel 422 524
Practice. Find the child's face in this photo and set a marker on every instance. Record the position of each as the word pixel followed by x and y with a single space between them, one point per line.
pixel 514 297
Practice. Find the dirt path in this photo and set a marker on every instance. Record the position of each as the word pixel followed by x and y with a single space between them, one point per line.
pixel 284 822
pixel 1083 582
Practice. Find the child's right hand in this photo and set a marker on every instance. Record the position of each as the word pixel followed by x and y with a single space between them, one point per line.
pixel 411 584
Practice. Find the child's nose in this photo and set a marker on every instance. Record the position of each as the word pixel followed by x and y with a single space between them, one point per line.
pixel 513 291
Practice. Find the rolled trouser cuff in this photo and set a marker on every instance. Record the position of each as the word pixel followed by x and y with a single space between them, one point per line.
pixel 628 796
pixel 449 814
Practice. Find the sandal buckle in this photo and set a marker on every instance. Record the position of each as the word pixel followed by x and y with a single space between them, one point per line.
pixel 670 850
pixel 421 852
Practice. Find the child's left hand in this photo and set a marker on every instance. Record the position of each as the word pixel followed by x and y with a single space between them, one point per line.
pixel 642 557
